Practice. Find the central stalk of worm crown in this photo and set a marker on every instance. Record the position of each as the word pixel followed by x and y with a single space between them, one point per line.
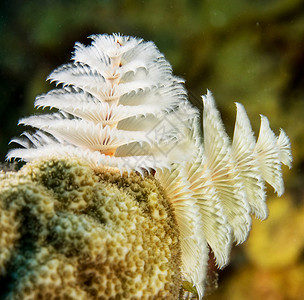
pixel 112 79
pixel 109 152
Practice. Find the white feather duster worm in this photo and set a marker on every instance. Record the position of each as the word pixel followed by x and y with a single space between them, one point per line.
pixel 120 106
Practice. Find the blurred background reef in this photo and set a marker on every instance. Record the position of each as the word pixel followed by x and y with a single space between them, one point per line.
pixel 246 51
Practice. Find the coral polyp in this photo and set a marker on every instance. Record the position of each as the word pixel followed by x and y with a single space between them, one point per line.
pixel 120 110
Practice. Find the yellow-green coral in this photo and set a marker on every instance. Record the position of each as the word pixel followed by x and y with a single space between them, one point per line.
pixel 69 233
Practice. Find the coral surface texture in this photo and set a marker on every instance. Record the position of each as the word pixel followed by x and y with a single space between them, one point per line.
pixel 68 233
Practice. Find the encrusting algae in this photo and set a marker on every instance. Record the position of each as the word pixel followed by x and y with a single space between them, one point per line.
pixel 69 233
pixel 125 192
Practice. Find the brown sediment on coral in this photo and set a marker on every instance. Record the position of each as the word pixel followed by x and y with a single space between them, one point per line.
pixel 69 233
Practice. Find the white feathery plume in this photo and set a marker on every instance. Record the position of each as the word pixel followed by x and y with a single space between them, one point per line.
pixel 268 157
pixel 115 94
pixel 216 229
pixel 224 175
pixel 243 145
pixel 193 244
pixel 284 148
pixel 120 106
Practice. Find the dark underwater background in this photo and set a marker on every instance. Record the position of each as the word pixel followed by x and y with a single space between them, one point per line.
pixel 244 51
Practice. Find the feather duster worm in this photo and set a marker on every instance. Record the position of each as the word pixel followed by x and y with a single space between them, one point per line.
pixel 120 106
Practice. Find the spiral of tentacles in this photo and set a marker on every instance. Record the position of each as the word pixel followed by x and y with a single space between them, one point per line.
pixel 119 106
pixel 215 193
